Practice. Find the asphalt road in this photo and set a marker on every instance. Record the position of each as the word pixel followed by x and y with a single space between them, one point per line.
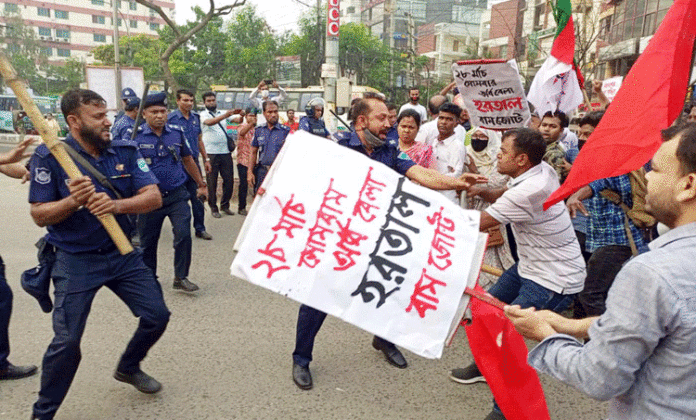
pixel 227 351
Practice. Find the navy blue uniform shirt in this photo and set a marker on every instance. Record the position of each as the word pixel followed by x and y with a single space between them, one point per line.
pixel 118 130
pixel 163 154
pixel 389 154
pixel 393 134
pixel 269 141
pixel 191 127
pixel 314 126
pixel 81 232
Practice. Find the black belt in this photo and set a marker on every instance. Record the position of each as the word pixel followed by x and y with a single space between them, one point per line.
pixel 170 192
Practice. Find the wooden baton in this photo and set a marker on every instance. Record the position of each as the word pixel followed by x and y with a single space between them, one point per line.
pixel 56 147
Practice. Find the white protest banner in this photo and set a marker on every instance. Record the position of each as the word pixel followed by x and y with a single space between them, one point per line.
pixel 492 92
pixel 351 237
pixel 611 86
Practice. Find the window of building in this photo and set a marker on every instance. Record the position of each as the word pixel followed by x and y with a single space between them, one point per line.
pixel 154 26
pixel 637 18
pixel 62 33
pixel 42 11
pixel 47 51
pixel 98 19
pixel 503 51
pixel 133 5
pixel 11 7
pixel 98 2
pixel 44 31
pixel 133 23
pixel 350 10
pixel 120 22
pixel 455 45
pixel 99 38
pixel 63 52
pixel 61 14
pixel 460 13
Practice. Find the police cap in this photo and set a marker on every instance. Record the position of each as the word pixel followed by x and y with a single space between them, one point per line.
pixel 128 93
pixel 159 98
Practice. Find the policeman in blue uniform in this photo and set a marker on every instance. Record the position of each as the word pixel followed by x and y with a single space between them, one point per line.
pixel 392 134
pixel 190 122
pixel 86 257
pixel 168 155
pixel 10 167
pixel 371 124
pixel 127 120
pixel 268 140
pixel 312 121
pixel 126 95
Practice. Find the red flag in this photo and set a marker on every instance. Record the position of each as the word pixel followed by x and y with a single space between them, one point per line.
pixel 501 356
pixel 649 100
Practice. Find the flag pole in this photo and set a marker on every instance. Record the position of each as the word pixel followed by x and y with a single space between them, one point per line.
pixel 50 137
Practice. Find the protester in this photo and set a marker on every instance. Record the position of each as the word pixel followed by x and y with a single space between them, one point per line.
pixel 448 150
pixel 190 122
pixel 262 94
pixel 214 134
pixel 246 136
pixel 414 97
pixel 369 138
pixel 167 154
pixel 551 270
pixel 268 140
pixel 10 166
pixel 313 122
pixel 292 123
pixel 420 153
pixel 86 258
pixel 551 128
pixel 429 132
pixel 640 354
pixel 483 152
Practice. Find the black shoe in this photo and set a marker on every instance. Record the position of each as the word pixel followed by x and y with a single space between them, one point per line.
pixel 391 353
pixel 184 284
pixel 216 214
pixel 242 212
pixel 228 212
pixel 17 372
pixel 204 235
pixel 495 415
pixel 301 376
pixel 140 380
pixel 468 375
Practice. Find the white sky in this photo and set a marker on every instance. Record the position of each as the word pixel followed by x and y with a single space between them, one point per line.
pixel 281 15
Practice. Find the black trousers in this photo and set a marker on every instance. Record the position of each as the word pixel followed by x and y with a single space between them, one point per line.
pixel 602 268
pixel 223 166
pixel 243 186
pixel 5 311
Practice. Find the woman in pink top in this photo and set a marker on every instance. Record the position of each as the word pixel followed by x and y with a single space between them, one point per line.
pixel 408 124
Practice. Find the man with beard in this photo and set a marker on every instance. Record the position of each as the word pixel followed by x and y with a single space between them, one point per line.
pixel 268 140
pixel 414 96
pixel 86 257
pixel 371 119
pixel 166 152
pixel 640 355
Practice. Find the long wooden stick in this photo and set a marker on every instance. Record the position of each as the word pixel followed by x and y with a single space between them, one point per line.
pixel 491 270
pixel 56 147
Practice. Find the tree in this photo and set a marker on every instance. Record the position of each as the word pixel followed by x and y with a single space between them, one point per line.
pixel 23 49
pixel 136 51
pixel 183 34
pixel 308 45
pixel 60 79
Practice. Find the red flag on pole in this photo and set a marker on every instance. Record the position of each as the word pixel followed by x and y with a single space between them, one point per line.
pixel 501 356
pixel 649 100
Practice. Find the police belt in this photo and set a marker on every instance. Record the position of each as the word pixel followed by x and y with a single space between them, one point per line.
pixel 171 192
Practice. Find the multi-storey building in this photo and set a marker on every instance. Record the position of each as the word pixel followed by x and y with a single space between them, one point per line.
pixel 71 28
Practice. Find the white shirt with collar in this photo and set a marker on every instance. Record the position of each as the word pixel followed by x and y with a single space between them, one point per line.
pixel 449 161
pixel 428 133
pixel 417 107
pixel 214 139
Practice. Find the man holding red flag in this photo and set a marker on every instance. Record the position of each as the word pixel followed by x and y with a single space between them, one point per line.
pixel 641 353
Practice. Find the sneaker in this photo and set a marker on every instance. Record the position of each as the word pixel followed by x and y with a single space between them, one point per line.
pixel 467 375
pixel 242 212
pixel 184 284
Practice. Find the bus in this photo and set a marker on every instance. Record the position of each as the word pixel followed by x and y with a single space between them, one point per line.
pixel 10 110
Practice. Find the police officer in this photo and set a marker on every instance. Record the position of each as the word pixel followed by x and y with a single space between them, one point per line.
pixel 86 258
pixel 190 122
pixel 121 125
pixel 126 95
pixel 9 166
pixel 312 121
pixel 268 140
pixel 167 153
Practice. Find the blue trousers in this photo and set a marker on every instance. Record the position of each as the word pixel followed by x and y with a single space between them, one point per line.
pixel 5 311
pixel 175 206
pixel 309 321
pixel 197 208
pixel 77 278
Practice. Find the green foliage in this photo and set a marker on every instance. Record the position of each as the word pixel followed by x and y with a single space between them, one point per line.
pixel 135 51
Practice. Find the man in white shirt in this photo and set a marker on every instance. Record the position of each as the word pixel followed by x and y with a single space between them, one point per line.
pixel 261 94
pixel 551 269
pixel 449 152
pixel 429 132
pixel 414 95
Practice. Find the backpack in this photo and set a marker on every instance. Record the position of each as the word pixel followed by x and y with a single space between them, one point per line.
pixel 643 220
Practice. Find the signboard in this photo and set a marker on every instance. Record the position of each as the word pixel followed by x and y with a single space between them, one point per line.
pixel 333 14
pixel 611 86
pixel 351 237
pixel 492 93
pixel 103 81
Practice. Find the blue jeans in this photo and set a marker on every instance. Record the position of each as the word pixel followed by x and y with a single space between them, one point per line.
pixel 77 278
pixel 5 312
pixel 175 206
pixel 514 289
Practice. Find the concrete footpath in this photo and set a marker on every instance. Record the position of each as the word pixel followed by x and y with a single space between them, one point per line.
pixel 227 351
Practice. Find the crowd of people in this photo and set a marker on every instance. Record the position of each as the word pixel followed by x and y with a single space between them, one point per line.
pixel 591 267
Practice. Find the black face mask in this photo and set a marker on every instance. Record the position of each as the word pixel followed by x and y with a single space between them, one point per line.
pixel 211 108
pixel 479 145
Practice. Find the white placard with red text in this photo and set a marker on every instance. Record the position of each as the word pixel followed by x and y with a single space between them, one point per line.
pixel 611 86
pixel 349 236
pixel 492 93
